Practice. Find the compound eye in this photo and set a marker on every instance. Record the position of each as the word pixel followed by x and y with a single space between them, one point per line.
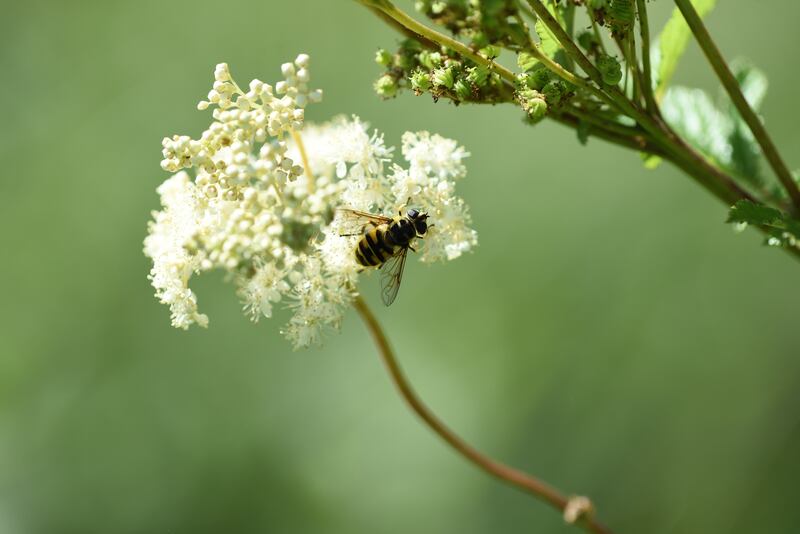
pixel 413 213
pixel 422 227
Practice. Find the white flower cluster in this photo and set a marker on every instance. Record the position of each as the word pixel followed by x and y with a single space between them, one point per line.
pixel 250 208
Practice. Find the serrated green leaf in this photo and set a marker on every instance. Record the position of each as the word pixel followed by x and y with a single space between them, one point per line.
pixel 548 43
pixel 672 42
pixel 781 230
pixel 547 40
pixel 746 155
pixel 746 211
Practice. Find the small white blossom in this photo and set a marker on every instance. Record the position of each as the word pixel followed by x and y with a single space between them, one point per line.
pixel 251 209
pixel 169 234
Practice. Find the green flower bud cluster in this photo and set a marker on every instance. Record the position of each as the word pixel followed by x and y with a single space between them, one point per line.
pixel 620 17
pixel 396 65
pixel 386 86
pixel 533 103
pixel 482 22
pixel 610 68
pixel 537 82
pixel 535 78
pixel 438 72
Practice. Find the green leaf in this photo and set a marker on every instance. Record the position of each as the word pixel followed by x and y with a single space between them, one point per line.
pixel 693 114
pixel 672 43
pixel 746 211
pixel 752 80
pixel 547 40
pixel 746 155
pixel 548 43
pixel 718 131
pixel 526 62
pixel 781 230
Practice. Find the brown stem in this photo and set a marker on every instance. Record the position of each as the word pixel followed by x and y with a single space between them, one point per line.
pixel 521 480
pixel 731 86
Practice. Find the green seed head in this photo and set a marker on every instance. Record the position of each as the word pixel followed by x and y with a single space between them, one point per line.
pixel 383 57
pixel 443 77
pixel 463 89
pixel 610 69
pixel 420 81
pixel 386 86
pixel 554 91
pixel 478 75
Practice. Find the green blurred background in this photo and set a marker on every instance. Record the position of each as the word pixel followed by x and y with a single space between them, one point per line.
pixel 631 348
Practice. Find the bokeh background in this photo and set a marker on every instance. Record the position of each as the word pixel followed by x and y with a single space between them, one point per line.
pixel 610 334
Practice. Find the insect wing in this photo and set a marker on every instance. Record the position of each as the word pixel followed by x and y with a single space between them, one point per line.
pixel 353 222
pixel 392 275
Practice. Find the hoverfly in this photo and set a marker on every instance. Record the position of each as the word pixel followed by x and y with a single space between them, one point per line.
pixel 385 242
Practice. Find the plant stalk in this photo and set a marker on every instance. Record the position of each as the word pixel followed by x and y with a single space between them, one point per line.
pixel 644 32
pixel 523 481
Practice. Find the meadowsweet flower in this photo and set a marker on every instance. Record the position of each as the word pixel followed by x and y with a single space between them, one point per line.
pixel 241 200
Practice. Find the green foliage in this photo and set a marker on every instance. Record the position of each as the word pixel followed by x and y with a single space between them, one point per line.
pixel 717 130
pixel 547 41
pixel 746 211
pixel 610 68
pixel 746 157
pixel 670 45
pixel 620 16
pixel 526 62
pixel 781 229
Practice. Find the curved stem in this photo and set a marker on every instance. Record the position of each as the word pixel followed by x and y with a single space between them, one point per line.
pixel 731 86
pixel 521 480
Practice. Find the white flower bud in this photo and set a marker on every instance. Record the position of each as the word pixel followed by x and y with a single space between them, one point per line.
pixel 221 72
pixel 302 60
pixel 287 69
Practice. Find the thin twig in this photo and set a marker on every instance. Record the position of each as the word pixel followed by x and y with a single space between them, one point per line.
pixel 521 480
pixel 424 41
pixel 644 31
pixel 731 86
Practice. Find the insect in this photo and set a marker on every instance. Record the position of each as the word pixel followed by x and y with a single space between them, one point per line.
pixel 385 242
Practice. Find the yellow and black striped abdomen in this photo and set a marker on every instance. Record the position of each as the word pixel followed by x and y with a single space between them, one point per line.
pixel 375 247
